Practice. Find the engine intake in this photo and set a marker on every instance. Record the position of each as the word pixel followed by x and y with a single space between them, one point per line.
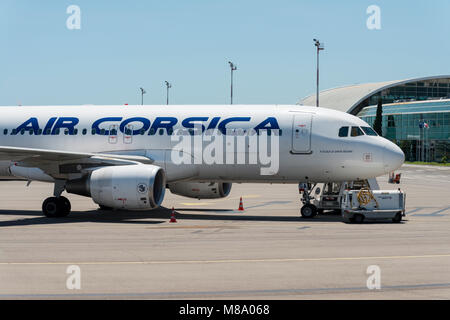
pixel 132 187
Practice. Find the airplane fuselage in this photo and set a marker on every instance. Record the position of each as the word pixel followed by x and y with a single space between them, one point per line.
pixel 306 140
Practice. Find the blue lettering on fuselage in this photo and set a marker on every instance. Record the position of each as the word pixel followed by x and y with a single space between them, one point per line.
pixel 29 125
pixel 269 121
pixel 163 123
pixel 96 124
pixel 138 125
pixel 65 122
pixel 126 125
pixel 222 125
pixel 192 122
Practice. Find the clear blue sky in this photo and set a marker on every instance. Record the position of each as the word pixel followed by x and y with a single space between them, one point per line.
pixel 123 45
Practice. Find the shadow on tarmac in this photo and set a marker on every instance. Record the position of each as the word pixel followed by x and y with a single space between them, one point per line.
pixel 156 216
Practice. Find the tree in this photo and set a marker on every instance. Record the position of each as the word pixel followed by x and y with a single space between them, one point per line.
pixel 377 125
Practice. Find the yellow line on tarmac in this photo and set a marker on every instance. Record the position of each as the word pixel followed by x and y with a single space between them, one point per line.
pixel 224 261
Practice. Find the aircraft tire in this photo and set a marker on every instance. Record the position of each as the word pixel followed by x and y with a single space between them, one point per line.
pixel 54 207
pixel 66 207
pixel 308 211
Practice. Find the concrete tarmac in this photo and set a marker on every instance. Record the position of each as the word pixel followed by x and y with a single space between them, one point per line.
pixel 217 252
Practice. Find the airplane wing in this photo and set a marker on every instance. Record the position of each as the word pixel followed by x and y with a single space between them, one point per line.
pixel 56 163
pixel 23 154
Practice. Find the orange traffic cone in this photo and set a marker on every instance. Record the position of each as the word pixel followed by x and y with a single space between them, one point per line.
pixel 241 206
pixel 172 216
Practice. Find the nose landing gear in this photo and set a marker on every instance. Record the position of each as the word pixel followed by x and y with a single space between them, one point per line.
pixel 308 210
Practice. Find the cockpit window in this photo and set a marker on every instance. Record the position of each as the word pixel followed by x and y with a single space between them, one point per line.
pixel 343 132
pixel 356 131
pixel 369 131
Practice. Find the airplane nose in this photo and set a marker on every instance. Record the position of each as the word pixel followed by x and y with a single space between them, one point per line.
pixel 393 157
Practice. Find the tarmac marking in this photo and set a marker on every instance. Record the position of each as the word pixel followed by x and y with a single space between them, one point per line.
pixel 223 261
pixel 263 292
pixel 433 214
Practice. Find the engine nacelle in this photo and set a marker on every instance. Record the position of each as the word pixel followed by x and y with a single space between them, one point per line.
pixel 132 187
pixel 201 190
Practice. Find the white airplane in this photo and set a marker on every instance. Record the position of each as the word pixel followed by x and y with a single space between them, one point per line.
pixel 125 157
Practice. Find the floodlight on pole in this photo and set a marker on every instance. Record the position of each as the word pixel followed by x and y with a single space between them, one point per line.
pixel 320 46
pixel 142 95
pixel 168 86
pixel 233 67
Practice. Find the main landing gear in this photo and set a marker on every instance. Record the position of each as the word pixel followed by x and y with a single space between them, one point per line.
pixel 308 211
pixel 57 206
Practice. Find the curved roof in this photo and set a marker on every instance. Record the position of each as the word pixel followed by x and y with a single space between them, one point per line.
pixel 347 98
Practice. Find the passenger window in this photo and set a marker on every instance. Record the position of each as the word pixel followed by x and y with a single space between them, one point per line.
pixel 343 132
pixel 356 131
pixel 369 131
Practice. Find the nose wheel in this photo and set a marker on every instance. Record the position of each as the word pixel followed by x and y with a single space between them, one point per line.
pixel 308 211
pixel 55 207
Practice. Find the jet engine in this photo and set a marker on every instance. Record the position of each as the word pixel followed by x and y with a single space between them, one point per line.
pixel 132 187
pixel 201 190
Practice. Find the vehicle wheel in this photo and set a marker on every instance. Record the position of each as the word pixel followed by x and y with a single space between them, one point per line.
pixel 397 218
pixel 358 218
pixel 308 211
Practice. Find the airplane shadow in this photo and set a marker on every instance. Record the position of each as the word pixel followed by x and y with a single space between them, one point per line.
pixel 157 216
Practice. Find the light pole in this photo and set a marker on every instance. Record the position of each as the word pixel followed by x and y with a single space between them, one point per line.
pixel 142 95
pixel 168 85
pixel 320 46
pixel 233 67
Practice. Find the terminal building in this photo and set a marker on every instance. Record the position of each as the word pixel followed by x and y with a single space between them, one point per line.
pixel 416 112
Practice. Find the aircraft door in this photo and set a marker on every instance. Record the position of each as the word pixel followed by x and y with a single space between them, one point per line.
pixel 301 133
pixel 112 138
pixel 128 134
